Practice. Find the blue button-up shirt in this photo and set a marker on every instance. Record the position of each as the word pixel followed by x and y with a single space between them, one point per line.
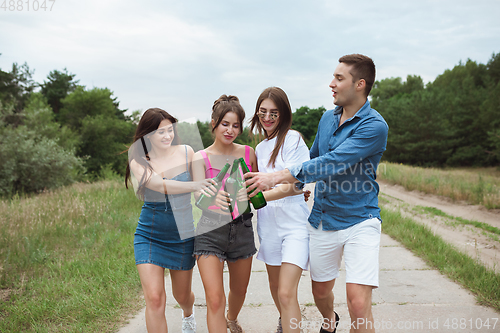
pixel 344 161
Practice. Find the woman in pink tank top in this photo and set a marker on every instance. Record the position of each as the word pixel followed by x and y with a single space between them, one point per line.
pixel 219 237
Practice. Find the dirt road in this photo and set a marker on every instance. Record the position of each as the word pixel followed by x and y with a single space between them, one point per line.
pixel 427 209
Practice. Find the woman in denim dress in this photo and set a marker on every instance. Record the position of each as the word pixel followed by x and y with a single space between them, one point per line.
pixel 159 169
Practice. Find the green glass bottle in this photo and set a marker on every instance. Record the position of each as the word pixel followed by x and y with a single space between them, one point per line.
pixel 233 185
pixel 205 201
pixel 258 200
pixel 243 206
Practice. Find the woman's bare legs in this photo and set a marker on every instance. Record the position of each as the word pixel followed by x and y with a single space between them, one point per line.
pixel 181 289
pixel 239 276
pixel 273 275
pixel 289 278
pixel 153 287
pixel 211 272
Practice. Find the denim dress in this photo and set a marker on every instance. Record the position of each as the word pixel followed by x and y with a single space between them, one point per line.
pixel 158 238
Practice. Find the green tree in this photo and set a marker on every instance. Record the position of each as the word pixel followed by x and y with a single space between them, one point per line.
pixel 190 135
pixel 417 134
pixel 493 67
pixel 58 86
pixel 306 120
pixel 82 103
pixel 490 120
pixel 451 121
pixel 102 140
pixel 16 87
pixel 38 117
pixel 103 129
pixel 385 89
pixel 205 130
pixel 461 92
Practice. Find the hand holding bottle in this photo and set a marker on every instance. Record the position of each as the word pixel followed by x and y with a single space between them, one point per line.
pixel 207 187
pixel 256 197
pixel 223 200
pixel 205 200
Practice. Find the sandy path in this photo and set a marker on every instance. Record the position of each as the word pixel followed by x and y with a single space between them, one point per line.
pixel 474 241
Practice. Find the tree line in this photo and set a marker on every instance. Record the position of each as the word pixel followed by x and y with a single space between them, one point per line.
pixel 58 132
pixel 452 121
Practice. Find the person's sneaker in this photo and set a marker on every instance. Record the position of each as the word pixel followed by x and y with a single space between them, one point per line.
pixel 279 329
pixel 188 324
pixel 234 326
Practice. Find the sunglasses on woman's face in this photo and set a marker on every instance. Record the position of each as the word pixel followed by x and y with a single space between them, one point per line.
pixel 272 115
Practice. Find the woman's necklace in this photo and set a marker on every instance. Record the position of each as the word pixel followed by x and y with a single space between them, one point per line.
pixel 227 158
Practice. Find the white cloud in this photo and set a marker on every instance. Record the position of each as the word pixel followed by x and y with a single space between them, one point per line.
pixel 182 55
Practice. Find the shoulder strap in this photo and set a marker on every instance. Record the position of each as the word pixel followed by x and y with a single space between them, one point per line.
pixel 207 162
pixel 186 149
pixel 247 157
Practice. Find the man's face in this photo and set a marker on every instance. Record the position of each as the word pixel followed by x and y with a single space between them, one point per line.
pixel 342 85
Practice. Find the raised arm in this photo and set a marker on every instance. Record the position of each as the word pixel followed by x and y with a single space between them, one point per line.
pixel 282 191
pixel 368 140
pixel 157 182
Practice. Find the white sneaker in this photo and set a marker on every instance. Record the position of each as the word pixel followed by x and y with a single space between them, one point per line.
pixel 188 324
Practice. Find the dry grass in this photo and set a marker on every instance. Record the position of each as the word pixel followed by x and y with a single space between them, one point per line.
pixel 67 259
pixel 474 185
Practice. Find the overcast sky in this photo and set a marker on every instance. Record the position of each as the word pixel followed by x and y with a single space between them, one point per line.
pixel 182 55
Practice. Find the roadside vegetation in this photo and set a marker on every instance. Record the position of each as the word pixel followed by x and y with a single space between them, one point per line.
pixel 478 186
pixel 488 230
pixel 67 259
pixel 459 267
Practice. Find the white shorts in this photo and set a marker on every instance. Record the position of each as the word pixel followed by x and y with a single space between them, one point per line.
pixel 283 232
pixel 359 244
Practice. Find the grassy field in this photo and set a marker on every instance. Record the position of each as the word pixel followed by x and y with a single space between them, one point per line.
pixel 479 186
pixel 459 267
pixel 66 259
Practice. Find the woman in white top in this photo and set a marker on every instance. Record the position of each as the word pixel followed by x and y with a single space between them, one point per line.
pixel 282 224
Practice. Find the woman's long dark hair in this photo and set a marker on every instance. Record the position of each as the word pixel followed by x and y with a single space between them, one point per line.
pixel 280 99
pixel 150 121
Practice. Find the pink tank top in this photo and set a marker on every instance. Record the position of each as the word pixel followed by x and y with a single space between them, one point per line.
pixel 212 172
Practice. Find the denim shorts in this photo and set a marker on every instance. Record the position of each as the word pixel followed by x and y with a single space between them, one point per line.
pixel 228 241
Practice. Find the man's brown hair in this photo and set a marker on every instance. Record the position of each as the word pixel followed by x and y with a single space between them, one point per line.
pixel 362 68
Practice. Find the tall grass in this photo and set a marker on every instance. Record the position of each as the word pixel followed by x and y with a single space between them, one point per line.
pixel 480 186
pixel 66 259
pixel 459 267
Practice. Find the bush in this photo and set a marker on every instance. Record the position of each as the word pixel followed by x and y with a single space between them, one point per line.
pixel 32 163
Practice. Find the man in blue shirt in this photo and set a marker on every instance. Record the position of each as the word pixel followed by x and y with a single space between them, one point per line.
pixel 345 219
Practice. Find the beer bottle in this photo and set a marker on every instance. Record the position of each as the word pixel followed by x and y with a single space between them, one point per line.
pixel 233 185
pixel 243 206
pixel 204 201
pixel 258 200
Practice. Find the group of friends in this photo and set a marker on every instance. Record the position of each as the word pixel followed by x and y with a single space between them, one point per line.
pixel 344 221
